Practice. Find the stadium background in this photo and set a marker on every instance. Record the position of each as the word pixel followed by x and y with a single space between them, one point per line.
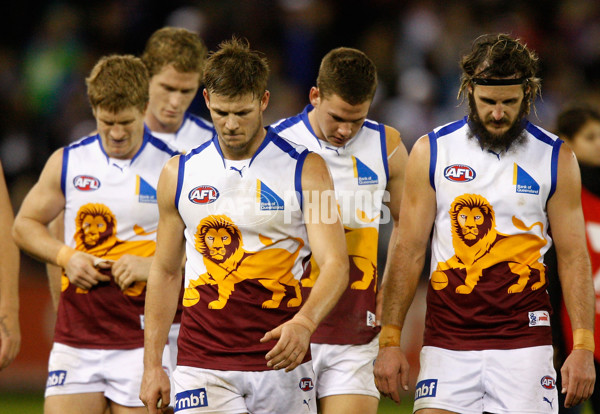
pixel 46 52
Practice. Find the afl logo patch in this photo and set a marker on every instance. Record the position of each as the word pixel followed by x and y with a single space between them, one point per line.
pixel 86 183
pixel 459 173
pixel 306 384
pixel 203 194
pixel 548 382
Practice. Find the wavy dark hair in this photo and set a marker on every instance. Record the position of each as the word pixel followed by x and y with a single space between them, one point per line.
pixel 500 56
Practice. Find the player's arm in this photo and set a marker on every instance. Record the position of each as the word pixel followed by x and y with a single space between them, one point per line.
pixel 397 158
pixel 43 204
pixel 407 250
pixel 162 291
pixel 328 246
pixel 574 269
pixel 10 334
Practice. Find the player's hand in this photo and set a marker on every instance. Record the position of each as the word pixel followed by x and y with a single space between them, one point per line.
pixel 391 372
pixel 10 337
pixel 83 270
pixel 130 269
pixel 155 391
pixel 578 377
pixel 292 345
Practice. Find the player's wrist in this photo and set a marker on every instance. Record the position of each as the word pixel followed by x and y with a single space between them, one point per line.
pixel 584 339
pixel 304 321
pixel 64 255
pixel 389 336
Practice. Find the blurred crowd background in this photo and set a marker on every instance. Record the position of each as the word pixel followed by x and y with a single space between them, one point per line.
pixel 46 53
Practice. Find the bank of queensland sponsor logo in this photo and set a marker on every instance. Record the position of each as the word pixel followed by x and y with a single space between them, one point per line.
pixel 459 173
pixel 523 182
pixel 204 194
pixel 363 173
pixel 548 382
pixel 267 199
pixel 426 388
pixel 86 183
pixel 539 318
pixel 56 378
pixel 191 399
pixel 306 384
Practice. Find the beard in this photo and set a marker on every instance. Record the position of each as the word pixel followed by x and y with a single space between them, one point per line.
pixel 496 143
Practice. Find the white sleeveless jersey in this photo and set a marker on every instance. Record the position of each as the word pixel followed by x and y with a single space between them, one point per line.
pixel 247 248
pixel 360 174
pixel 487 285
pixel 193 132
pixel 110 211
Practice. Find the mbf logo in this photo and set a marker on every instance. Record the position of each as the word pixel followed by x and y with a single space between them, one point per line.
pixel 459 173
pixel 191 399
pixel 426 388
pixel 56 378
pixel 86 183
pixel 548 382
pixel 306 384
pixel 203 194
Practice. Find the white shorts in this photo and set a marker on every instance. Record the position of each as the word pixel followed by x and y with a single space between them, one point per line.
pixel 116 373
pixel 345 369
pixel 199 390
pixel 172 344
pixel 498 381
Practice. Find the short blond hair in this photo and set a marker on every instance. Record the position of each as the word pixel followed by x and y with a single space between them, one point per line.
pixel 118 82
pixel 175 46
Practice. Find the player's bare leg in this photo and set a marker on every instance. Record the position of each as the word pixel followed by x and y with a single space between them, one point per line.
pixel 85 403
pixel 348 404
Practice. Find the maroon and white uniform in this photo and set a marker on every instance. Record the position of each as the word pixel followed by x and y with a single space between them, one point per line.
pixel 247 249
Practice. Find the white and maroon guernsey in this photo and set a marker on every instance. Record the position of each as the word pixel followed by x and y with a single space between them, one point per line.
pixel 110 211
pixel 487 285
pixel 247 249
pixel 360 174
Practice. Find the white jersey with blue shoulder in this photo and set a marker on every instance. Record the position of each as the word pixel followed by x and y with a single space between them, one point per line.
pixel 360 174
pixel 487 285
pixel 247 249
pixel 193 132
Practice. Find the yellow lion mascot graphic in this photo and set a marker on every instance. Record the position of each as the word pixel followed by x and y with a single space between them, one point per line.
pixel 478 246
pixel 96 234
pixel 227 263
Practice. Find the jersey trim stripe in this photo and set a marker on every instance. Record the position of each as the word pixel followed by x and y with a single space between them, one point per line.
pixel 298 176
pixel 432 157
pixel 384 151
pixel 180 172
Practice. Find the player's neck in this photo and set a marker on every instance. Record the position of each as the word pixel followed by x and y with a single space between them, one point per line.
pixel 156 126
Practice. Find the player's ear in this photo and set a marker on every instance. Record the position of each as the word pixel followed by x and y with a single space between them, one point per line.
pixel 264 100
pixel 314 96
pixel 206 97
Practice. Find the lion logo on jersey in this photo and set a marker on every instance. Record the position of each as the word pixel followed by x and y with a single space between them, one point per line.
pixel 228 263
pixel 362 255
pixel 478 246
pixel 96 234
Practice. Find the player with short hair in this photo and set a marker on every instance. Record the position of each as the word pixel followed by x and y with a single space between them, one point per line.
pixel 106 186
pixel 366 160
pixel 175 60
pixel 491 186
pixel 249 208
